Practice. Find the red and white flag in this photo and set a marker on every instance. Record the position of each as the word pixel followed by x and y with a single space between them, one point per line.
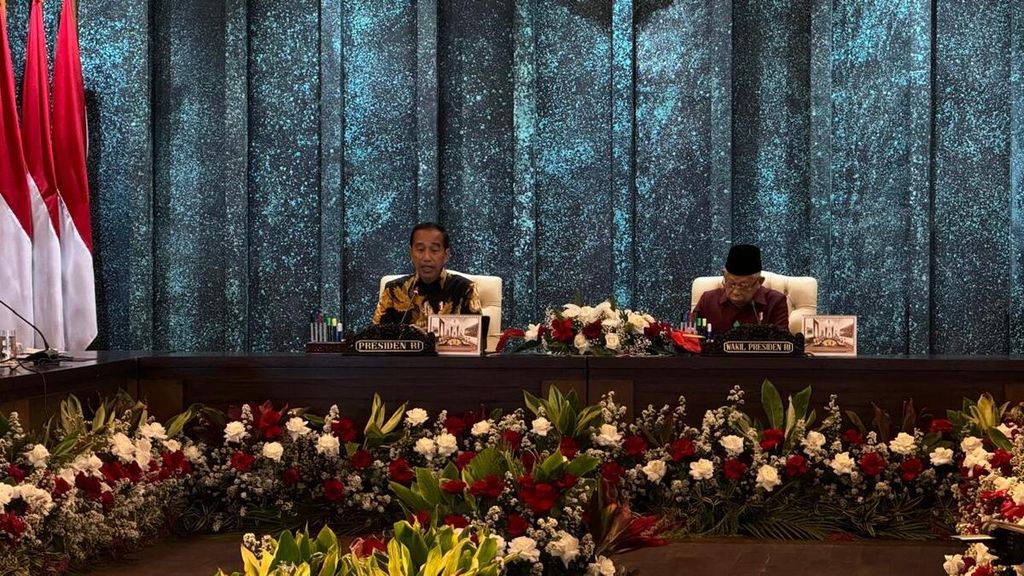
pixel 69 151
pixel 15 204
pixel 47 292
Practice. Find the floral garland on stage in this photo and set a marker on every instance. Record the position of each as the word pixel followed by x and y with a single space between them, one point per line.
pixel 602 330
pixel 556 487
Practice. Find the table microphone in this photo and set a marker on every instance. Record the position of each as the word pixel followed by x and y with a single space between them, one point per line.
pixel 43 356
pixel 412 294
pixel 754 308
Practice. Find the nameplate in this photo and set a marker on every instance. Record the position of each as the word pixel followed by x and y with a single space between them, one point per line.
pixel 389 346
pixel 757 347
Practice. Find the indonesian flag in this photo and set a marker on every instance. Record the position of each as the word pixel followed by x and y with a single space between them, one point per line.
pixel 35 135
pixel 15 206
pixel 69 151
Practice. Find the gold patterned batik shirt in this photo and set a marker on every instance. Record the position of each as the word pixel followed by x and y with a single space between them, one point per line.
pixel 411 301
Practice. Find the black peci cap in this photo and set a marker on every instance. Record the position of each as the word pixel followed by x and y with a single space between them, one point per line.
pixel 744 260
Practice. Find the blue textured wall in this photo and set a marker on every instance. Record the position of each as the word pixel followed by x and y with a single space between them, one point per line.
pixel 252 160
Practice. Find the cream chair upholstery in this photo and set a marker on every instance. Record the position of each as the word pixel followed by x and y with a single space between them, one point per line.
pixel 489 290
pixel 801 294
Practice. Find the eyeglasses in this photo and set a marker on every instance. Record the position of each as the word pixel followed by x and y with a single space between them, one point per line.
pixel 744 286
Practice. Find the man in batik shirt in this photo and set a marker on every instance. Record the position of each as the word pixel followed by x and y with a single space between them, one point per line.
pixel 411 299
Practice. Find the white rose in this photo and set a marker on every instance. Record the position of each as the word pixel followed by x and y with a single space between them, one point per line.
pixel 953 565
pixel 524 548
pixel 532 332
pixel 122 447
pixel 234 432
pixel 88 464
pixel 296 427
pixel 813 441
pixel 7 493
pixel 38 500
pixel 981 553
pixel 977 457
pixel 941 456
pixel 655 470
pixel 565 547
pixel 143 452
pixel 37 456
pixel 970 444
pixel 67 475
pixel 447 445
pixel 612 323
pixel 608 436
pixel 541 426
pixel 637 321
pixel 601 567
pixel 733 444
pixel 611 341
pixel 192 453
pixel 589 314
pixel 648 318
pixel 172 445
pixel 570 311
pixel 328 445
pixel 842 463
pixel 702 469
pixel 415 417
pixel 154 430
pixel 1017 493
pixel 481 428
pixel 580 342
pixel 425 447
pixel 273 450
pixel 903 444
pixel 1001 483
pixel 768 477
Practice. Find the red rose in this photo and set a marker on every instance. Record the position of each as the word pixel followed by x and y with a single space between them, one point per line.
pixel 269 421
pixel 174 462
pixel 540 497
pixel 911 469
pixel 1011 512
pixel 1001 459
pixel 107 499
pixel 12 525
pixel 510 333
pixel 291 476
pixel 490 486
pixel 89 484
pixel 512 438
pixel 454 425
pixel 872 463
pixel 796 465
pixel 985 570
pixel 133 472
pixel 344 429
pixel 771 437
pixel 568 447
pixel 682 448
pixel 60 487
pixel 561 330
pixel 456 521
pixel 516 525
pixel 566 482
pixel 16 473
pixel 734 469
pixel 334 490
pixel 941 425
pixel 634 445
pixel 242 462
pixel 361 459
pixel 612 472
pixel 363 547
pixel 528 460
pixel 399 471
pixel 592 330
pixel 464 458
pixel 853 436
pixel 453 486
pixel 422 517
pixel 112 472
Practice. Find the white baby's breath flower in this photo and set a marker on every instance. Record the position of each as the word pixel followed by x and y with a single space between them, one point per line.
pixel 702 469
pixel 541 426
pixel 296 427
pixel 481 428
pixel 903 444
pixel 37 456
pixel 608 436
pixel 611 341
pixel 273 450
pixel 733 444
pixel 234 432
pixel 415 417
pixel 328 445
pixel 941 456
pixel 842 463
pixel 768 477
pixel 524 548
pixel 655 470
pixel 446 445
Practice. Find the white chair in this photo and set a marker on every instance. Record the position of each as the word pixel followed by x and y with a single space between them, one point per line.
pixel 489 290
pixel 801 294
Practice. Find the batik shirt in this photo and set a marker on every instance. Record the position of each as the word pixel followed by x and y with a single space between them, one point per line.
pixel 412 301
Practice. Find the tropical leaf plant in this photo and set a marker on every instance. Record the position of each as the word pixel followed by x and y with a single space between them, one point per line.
pixel 982 419
pixel 565 412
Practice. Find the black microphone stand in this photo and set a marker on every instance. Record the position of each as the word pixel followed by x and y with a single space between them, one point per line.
pixel 44 356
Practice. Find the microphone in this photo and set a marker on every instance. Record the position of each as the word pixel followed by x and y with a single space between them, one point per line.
pixel 43 356
pixel 754 308
pixel 412 294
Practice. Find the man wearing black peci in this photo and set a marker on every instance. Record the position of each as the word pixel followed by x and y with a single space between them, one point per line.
pixel 431 289
pixel 742 299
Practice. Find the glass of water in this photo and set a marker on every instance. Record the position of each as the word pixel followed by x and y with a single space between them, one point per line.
pixel 8 344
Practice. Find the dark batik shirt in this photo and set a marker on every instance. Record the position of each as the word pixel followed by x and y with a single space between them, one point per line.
pixel 768 307
pixel 449 294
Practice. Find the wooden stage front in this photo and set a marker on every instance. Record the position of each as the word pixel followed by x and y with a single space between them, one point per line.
pixel 171 382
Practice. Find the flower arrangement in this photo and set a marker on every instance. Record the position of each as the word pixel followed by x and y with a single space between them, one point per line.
pixel 602 330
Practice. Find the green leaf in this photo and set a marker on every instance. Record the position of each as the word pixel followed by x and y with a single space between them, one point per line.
pixel 412 500
pixel 581 465
pixel 428 486
pixel 532 402
pixel 326 540
pixel 772 403
pixel 287 549
pixel 801 401
pixel 999 439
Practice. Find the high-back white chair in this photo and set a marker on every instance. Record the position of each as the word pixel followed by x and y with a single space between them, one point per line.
pixel 489 290
pixel 801 294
